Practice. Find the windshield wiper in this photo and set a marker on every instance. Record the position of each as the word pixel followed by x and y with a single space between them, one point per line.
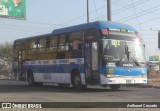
pixel 130 55
pixel 123 57
pixel 117 64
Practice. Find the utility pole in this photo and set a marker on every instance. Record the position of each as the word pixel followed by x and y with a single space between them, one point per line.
pixel 158 39
pixel 87 11
pixel 109 16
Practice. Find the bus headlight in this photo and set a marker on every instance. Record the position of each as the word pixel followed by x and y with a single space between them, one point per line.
pixel 110 70
pixel 111 76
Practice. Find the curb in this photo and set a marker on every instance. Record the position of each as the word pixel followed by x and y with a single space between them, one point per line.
pixel 143 86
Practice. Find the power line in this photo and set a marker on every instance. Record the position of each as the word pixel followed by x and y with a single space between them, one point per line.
pixel 63 24
pixel 76 18
pixel 147 21
pixel 141 8
pixel 130 6
pixel 136 15
pixel 44 23
pixel 9 25
pixel 123 8
pixel 95 9
pixel 145 12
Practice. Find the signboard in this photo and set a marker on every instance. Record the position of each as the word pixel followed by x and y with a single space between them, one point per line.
pixel 13 9
pixel 154 58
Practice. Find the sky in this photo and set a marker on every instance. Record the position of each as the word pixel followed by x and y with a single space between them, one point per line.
pixel 43 16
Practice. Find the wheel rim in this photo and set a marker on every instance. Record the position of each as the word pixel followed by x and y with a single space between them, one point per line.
pixel 77 81
pixel 30 80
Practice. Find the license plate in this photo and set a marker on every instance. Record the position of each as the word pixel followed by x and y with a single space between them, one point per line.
pixel 128 81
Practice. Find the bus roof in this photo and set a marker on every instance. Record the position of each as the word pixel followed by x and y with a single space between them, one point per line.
pixel 97 25
pixel 34 37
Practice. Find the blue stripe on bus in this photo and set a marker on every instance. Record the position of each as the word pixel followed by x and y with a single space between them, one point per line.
pixel 61 68
pixel 124 71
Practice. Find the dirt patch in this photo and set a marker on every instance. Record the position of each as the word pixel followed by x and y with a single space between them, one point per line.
pixel 154 82
pixel 154 74
pixel 154 78
pixel 2 77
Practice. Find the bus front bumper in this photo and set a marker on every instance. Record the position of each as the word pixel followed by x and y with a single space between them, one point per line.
pixel 123 80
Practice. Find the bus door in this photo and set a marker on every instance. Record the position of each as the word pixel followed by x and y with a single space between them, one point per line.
pixel 91 62
pixel 21 57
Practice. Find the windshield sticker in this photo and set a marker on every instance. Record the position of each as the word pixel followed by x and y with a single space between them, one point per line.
pixel 117 43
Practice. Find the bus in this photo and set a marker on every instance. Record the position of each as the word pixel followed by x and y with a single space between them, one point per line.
pixel 98 53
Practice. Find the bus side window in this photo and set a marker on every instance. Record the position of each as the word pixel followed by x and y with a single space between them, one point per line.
pixel 42 45
pixel 76 39
pixel 77 49
pixel 53 44
pixel 32 46
pixel 90 34
pixel 63 45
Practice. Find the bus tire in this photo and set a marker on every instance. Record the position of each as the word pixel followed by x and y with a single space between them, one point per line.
pixel 30 79
pixel 76 81
pixel 115 86
pixel 63 85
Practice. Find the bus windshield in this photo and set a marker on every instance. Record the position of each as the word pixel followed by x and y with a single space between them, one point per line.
pixel 115 50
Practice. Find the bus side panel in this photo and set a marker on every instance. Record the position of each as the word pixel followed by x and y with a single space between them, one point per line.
pixel 57 71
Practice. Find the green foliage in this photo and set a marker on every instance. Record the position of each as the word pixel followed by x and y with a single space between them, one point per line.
pixel 6 52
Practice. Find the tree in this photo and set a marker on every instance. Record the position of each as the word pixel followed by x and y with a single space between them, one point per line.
pixel 6 50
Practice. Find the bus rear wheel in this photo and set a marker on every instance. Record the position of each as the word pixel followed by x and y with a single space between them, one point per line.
pixel 115 86
pixel 63 85
pixel 31 81
pixel 77 84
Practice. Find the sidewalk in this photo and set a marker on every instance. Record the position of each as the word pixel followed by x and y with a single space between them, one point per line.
pixel 151 83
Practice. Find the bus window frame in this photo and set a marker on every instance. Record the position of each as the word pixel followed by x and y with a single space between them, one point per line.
pixel 40 48
pixel 64 43
pixel 94 38
pixel 32 50
pixel 73 40
pixel 52 48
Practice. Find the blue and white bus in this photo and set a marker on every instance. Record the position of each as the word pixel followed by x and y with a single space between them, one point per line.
pixel 98 53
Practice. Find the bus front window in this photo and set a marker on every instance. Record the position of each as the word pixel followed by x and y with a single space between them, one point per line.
pixel 115 50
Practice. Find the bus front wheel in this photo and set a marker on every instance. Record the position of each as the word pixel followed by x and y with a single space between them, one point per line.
pixel 115 86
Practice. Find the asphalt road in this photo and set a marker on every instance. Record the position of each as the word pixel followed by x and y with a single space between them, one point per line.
pixel 17 91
